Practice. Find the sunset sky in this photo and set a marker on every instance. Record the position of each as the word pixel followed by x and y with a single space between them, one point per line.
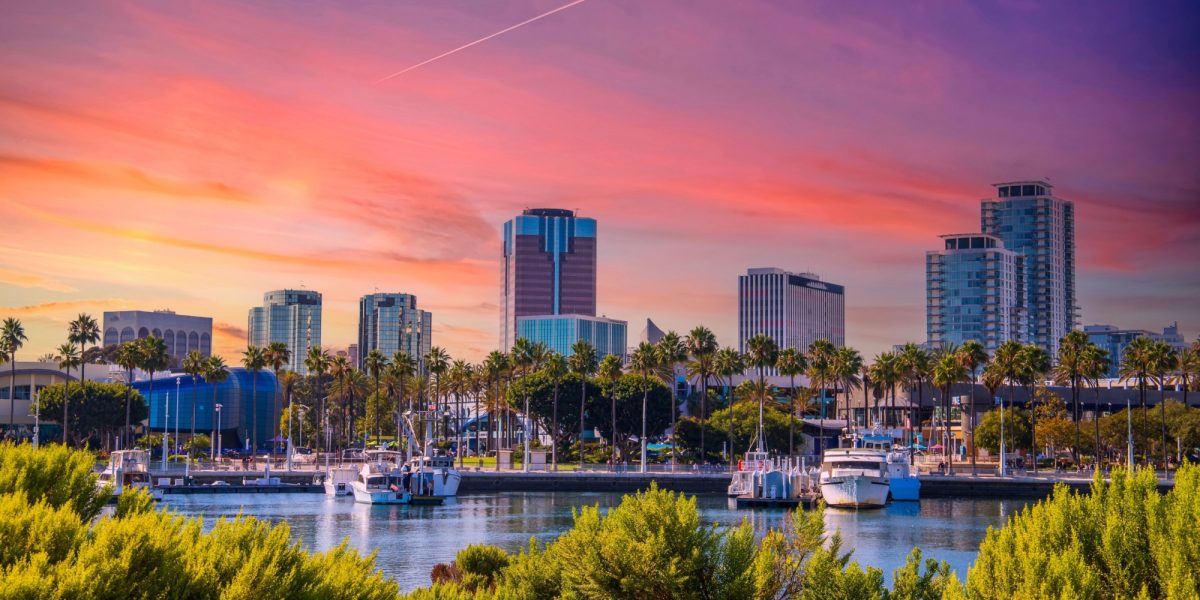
pixel 193 155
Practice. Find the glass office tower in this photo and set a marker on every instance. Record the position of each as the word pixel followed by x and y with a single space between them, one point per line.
pixel 1030 220
pixel 560 332
pixel 289 316
pixel 975 290
pixel 392 323
pixel 548 268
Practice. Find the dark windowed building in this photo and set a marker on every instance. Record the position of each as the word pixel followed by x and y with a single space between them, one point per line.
pixel 392 323
pixel 549 268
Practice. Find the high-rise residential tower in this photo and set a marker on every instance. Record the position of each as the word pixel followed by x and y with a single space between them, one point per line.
pixel 794 310
pixel 1030 220
pixel 549 268
pixel 392 323
pixel 289 316
pixel 181 333
pixel 975 290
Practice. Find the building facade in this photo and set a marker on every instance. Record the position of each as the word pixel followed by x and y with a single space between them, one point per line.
pixel 392 323
pixel 560 332
pixel 21 382
pixel 181 333
pixel 975 290
pixel 548 268
pixel 1030 220
pixel 1114 340
pixel 247 400
pixel 794 310
pixel 289 316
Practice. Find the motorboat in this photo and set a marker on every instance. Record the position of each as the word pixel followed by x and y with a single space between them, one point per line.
pixel 337 480
pixel 382 481
pixel 128 469
pixel 854 478
pixel 438 473
pixel 903 485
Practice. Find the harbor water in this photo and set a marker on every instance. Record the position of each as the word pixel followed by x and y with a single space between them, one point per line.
pixel 410 540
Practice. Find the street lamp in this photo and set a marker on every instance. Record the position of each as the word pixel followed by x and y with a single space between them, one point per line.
pixel 217 433
pixel 177 411
pixel 166 431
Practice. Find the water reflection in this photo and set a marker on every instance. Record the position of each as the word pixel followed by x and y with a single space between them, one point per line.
pixel 411 539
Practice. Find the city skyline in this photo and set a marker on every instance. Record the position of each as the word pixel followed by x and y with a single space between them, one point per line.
pixel 251 149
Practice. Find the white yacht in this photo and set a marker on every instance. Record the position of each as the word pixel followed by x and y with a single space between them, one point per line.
pixel 128 469
pixel 854 478
pixel 337 480
pixel 382 481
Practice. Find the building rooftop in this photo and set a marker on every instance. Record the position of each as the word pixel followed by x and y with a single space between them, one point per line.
pixel 548 212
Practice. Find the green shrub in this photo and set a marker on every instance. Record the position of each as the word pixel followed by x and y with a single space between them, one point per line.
pixel 53 474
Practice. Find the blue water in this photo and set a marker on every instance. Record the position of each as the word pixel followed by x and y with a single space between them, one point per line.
pixel 411 540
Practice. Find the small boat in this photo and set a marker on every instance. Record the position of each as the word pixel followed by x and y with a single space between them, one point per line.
pixel 765 482
pixel 337 481
pixel 742 482
pixel 383 482
pixel 128 469
pixel 854 478
pixel 438 473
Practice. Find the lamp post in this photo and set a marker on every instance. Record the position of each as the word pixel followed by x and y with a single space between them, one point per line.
pixel 289 438
pixel 177 411
pixel 166 431
pixel 37 406
pixel 217 433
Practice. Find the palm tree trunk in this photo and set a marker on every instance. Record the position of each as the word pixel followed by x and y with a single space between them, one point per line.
pixel 254 411
pixel 1097 413
pixel 554 431
pixel 792 421
pixel 66 396
pixel 1145 420
pixel 1032 427
pixel 82 387
pixel 972 409
pixel 645 399
pixel 612 396
pixel 582 402
pixel 946 426
pixel 1162 413
pixel 12 393
pixel 125 433
pixel 193 435
pixel 704 416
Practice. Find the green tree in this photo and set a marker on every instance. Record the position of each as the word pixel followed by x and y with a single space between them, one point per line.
pixel 973 356
pixel 702 347
pixel 609 373
pixel 645 362
pixel 129 357
pixel 914 366
pixel 194 364
pixel 1016 429
pixel 215 372
pixel 154 358
pixel 67 359
pixel 374 363
pixel 53 476
pixel 885 372
pixel 83 331
pixel 821 375
pixel 948 370
pixel 103 413
pixel 1033 363
pixel 761 353
pixel 556 368
pixel 727 364
pixel 437 362
pixel 790 363
pixel 1054 424
pixel 278 355
pixel 845 367
pixel 672 351
pixel 317 362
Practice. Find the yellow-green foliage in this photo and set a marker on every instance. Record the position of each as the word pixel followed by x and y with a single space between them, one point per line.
pixel 49 549
pixel 1122 540
pixel 52 474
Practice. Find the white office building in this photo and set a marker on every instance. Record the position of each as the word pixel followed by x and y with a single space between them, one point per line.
pixel 793 309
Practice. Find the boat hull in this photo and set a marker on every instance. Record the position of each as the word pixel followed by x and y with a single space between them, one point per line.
pixel 363 495
pixel 338 489
pixel 855 491
pixel 907 489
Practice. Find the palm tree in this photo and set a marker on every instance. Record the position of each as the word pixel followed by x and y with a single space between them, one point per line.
pixel 340 369
pixel 215 372
pixel 254 360
pixel 374 363
pixel 1093 366
pixel 761 352
pixel 972 355
pixel 67 359
pixel 727 363
pixel 317 363
pixel 404 367
pixel 556 368
pixel 460 382
pixel 83 331
pixel 527 356
pixel 1033 363
pixel 847 362
pixel 1162 363
pixel 288 379
pixel 1189 368
pixel 645 362
pixel 494 367
pixel 1006 363
pixel 610 372
pixel 702 347
pixel 1136 363
pixel 884 371
pixel 278 355
pixel 12 337
pixel 672 351
pixel 947 371
pixel 790 363
pixel 129 357
pixel 1069 371
pixel 820 375
pixel 155 358
pixel 193 364
pixel 913 366
pixel 583 362
pixel 437 361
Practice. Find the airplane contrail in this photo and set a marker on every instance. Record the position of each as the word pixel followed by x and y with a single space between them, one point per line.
pixel 478 41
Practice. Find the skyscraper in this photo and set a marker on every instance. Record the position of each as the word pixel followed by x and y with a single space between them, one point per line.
pixel 392 323
pixel 549 268
pixel 975 290
pixel 560 332
pixel 794 310
pixel 1029 219
pixel 289 316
